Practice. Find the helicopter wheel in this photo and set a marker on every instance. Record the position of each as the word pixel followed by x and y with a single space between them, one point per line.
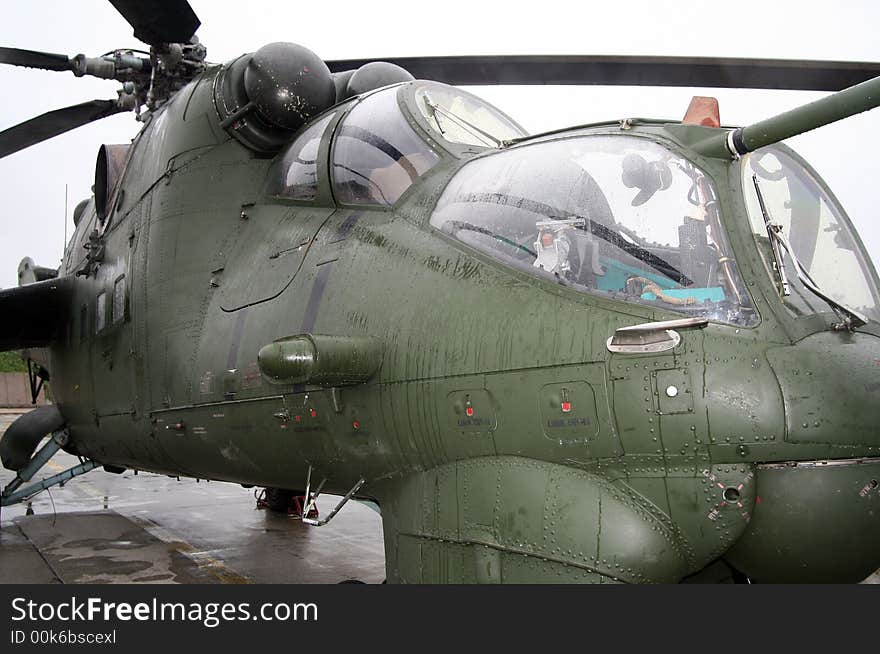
pixel 277 500
pixel 283 500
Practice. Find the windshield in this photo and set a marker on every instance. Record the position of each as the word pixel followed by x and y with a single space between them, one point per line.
pixel 615 215
pixel 460 117
pixel 815 226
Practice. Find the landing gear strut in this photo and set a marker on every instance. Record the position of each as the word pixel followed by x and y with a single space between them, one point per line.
pixel 12 495
pixel 302 504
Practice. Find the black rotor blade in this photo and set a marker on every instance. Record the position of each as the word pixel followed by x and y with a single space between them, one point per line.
pixel 159 21
pixel 54 123
pixel 632 71
pixel 35 59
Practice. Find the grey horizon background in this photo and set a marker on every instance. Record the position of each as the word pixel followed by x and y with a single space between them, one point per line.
pixel 32 182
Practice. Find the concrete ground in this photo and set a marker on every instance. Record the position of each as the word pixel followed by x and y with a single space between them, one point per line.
pixel 148 528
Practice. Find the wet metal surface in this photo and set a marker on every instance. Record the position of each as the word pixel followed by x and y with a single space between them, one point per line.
pixel 147 528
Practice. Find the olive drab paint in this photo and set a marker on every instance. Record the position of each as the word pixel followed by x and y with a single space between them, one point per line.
pixel 256 338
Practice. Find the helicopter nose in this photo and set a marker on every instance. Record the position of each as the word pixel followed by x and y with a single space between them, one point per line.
pixel 831 389
pixel 817 519
pixel 814 522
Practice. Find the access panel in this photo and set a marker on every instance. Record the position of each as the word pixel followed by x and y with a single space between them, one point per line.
pixel 266 253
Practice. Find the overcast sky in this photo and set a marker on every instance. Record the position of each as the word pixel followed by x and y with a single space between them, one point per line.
pixel 32 182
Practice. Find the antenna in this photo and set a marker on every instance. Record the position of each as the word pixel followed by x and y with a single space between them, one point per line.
pixel 64 247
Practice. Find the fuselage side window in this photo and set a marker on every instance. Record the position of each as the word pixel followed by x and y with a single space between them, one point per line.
pixel 296 176
pixel 119 300
pixel 101 312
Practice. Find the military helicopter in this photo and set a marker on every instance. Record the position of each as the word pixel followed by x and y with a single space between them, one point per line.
pixel 632 351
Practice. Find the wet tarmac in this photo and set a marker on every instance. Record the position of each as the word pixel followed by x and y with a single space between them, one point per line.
pixel 147 528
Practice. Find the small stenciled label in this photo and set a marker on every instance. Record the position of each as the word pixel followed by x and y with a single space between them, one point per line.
pixel 301 430
pixel 471 411
pixel 568 411
pixel 206 383
pixel 556 423
pixel 474 422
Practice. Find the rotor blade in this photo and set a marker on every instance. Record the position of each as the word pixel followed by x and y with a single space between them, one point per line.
pixel 35 59
pixel 632 71
pixel 159 21
pixel 54 123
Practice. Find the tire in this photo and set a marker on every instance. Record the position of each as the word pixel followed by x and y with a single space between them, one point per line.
pixel 278 499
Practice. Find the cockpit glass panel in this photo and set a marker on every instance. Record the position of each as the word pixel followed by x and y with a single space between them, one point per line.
pixel 296 174
pixel 619 216
pixel 377 155
pixel 815 227
pixel 459 117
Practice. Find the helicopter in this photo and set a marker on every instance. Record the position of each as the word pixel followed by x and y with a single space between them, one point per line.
pixel 632 351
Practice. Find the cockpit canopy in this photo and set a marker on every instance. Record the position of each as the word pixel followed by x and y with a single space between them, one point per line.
pixel 615 215
pixel 377 155
pixel 459 117
pixel 387 141
pixel 620 215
